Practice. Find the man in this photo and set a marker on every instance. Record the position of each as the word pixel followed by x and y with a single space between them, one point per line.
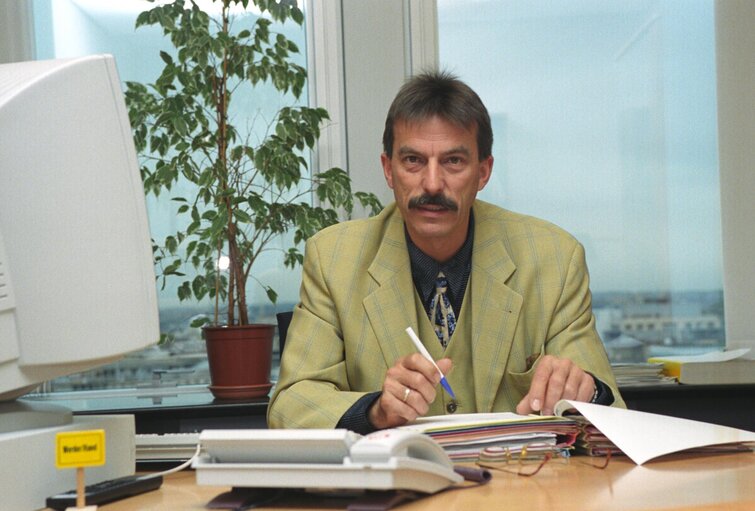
pixel 500 300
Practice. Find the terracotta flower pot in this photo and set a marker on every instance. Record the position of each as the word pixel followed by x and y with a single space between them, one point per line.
pixel 240 358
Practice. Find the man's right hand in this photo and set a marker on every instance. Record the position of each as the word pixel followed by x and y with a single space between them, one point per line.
pixel 409 388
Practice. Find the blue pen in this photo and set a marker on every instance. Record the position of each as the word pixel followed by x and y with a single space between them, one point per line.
pixel 426 354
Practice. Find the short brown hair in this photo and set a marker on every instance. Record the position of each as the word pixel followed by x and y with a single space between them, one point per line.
pixel 441 94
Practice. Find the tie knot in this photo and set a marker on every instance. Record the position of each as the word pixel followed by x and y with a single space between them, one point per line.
pixel 441 283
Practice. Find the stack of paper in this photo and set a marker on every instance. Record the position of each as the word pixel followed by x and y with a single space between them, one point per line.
pixel 718 367
pixel 591 441
pixel 634 375
pixel 465 436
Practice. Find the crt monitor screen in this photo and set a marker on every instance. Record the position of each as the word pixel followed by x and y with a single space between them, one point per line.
pixel 77 283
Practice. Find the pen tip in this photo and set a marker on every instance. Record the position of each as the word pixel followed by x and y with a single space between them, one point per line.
pixel 446 386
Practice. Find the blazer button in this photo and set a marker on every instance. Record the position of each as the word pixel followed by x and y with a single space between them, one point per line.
pixel 451 407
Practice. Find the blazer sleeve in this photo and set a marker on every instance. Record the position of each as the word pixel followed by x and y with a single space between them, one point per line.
pixel 313 389
pixel 572 333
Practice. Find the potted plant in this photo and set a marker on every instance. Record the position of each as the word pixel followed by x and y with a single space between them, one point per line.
pixel 248 186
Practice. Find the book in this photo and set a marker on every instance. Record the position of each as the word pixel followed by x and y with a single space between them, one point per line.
pixel 715 368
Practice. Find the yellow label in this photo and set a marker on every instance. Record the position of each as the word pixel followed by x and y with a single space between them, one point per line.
pixel 670 367
pixel 80 448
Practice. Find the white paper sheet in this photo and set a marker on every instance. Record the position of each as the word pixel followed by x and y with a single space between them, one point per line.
pixel 643 436
pixel 713 356
pixel 422 424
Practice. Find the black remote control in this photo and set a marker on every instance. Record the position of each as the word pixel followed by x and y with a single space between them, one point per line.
pixel 107 491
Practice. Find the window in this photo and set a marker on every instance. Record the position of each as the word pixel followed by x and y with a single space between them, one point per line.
pixel 639 253
pixel 68 28
pixel 604 116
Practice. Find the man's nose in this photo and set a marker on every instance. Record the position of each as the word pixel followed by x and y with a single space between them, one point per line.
pixel 433 179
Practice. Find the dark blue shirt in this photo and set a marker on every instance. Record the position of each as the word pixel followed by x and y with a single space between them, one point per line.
pixel 425 270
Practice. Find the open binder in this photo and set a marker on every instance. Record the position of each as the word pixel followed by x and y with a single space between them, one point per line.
pixel 644 436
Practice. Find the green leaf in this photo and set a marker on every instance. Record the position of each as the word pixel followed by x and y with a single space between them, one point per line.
pixel 242 216
pixel 200 321
pixel 271 294
pixel 171 244
pixel 172 268
pixel 184 291
pixel 297 16
pixel 198 286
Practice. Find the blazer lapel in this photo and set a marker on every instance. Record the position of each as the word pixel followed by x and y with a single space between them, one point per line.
pixel 495 311
pixel 390 307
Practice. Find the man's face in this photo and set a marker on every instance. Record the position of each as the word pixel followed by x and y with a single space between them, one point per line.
pixel 435 174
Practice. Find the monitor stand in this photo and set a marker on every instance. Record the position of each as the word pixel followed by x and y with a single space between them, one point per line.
pixel 19 415
pixel 29 453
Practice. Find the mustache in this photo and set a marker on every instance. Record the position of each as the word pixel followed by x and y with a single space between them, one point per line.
pixel 433 200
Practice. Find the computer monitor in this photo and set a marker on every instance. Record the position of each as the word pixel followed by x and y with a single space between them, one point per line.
pixel 77 282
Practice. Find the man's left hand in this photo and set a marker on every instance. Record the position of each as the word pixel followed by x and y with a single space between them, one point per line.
pixel 556 378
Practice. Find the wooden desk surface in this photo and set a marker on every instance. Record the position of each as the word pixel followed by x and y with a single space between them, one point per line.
pixel 712 482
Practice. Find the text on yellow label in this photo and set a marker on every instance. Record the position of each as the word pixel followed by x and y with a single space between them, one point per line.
pixel 80 448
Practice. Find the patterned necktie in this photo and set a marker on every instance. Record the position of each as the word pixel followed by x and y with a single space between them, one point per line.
pixel 441 313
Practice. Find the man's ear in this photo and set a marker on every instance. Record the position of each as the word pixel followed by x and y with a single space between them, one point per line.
pixel 486 170
pixel 385 161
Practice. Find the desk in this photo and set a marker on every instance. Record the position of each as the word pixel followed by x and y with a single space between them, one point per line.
pixel 713 482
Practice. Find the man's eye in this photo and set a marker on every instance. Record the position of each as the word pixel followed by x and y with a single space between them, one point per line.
pixel 454 160
pixel 412 160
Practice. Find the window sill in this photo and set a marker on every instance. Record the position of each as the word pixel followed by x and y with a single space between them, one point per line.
pixel 166 410
pixel 193 408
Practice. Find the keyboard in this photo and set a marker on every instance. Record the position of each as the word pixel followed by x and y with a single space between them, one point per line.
pixel 166 447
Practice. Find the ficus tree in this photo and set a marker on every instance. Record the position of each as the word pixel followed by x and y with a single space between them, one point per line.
pixel 247 189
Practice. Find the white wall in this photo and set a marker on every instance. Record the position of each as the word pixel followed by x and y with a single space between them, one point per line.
pixel 384 42
pixel 15 31
pixel 373 75
pixel 735 47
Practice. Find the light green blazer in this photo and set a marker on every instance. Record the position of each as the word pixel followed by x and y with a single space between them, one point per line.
pixel 528 295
